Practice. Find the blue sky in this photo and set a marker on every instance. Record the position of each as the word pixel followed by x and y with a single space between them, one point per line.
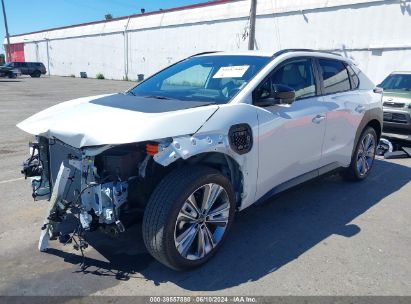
pixel 32 15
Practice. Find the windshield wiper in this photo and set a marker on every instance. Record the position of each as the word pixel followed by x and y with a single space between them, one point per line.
pixel 157 97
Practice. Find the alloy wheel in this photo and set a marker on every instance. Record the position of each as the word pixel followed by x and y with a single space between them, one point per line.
pixel 202 221
pixel 366 154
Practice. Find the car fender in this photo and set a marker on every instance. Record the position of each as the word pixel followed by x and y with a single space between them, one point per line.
pixel 214 136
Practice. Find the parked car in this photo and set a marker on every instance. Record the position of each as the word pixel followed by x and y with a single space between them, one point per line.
pixel 9 71
pixel 200 140
pixel 34 69
pixel 397 103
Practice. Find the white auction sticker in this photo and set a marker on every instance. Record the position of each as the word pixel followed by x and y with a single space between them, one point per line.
pixel 234 71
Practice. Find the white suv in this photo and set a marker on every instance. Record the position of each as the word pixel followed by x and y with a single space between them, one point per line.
pixel 200 140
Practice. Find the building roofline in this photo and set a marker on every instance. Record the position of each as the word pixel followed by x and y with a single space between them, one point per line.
pixel 179 8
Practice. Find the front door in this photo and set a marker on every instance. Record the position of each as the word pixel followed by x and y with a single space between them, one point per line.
pixel 290 135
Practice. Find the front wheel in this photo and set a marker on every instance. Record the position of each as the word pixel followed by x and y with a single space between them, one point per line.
pixel 363 157
pixel 188 217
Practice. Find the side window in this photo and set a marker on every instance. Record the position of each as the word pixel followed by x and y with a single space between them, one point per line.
pixel 297 74
pixel 335 76
pixel 355 81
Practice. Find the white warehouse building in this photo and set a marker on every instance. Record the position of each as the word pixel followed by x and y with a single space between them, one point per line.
pixel 375 33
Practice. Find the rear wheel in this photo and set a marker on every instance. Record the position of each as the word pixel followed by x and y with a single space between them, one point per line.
pixel 36 74
pixel 363 157
pixel 188 217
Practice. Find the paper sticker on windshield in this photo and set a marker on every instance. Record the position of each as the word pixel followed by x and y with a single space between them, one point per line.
pixel 236 71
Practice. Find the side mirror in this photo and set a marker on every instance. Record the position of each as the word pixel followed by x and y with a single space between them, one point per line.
pixel 280 94
pixel 283 94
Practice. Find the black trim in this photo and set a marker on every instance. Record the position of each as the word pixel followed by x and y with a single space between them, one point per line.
pixel 369 115
pixel 347 66
pixel 204 53
pixel 320 77
pixel 311 175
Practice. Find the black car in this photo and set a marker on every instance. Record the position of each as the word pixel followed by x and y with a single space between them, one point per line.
pixel 34 69
pixel 9 71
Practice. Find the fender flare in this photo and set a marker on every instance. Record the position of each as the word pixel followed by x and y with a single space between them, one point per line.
pixel 369 115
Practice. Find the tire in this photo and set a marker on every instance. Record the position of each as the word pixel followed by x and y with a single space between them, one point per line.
pixel 35 74
pixel 361 163
pixel 12 75
pixel 166 218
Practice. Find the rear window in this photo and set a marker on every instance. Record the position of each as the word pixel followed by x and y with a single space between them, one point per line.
pixel 335 76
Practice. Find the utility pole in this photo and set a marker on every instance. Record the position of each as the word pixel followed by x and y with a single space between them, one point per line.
pixel 251 37
pixel 8 51
pixel 48 56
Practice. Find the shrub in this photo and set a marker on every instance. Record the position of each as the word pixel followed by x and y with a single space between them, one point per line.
pixel 100 76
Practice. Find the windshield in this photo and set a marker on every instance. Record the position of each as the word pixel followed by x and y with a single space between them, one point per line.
pixel 203 78
pixel 9 64
pixel 397 82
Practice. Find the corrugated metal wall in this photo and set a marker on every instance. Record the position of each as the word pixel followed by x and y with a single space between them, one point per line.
pixel 374 33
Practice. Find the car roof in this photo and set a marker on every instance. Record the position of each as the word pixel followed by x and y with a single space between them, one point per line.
pixel 237 53
pixel 300 52
pixel 401 72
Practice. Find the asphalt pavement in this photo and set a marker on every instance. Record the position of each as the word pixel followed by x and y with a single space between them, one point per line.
pixel 327 237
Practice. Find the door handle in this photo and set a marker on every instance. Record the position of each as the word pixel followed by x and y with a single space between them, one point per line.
pixel 360 109
pixel 319 118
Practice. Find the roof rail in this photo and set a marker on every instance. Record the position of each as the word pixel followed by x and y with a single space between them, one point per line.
pixel 204 53
pixel 302 50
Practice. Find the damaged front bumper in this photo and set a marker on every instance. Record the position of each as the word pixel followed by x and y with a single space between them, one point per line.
pixel 69 179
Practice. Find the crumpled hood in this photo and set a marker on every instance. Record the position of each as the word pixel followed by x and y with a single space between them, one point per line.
pixel 117 119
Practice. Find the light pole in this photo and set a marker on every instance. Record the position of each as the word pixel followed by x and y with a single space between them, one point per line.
pixel 8 51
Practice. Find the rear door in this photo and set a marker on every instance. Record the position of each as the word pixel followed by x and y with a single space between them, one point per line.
pixel 23 67
pixel 345 110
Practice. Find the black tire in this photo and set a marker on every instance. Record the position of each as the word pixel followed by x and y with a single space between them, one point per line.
pixel 35 74
pixel 352 173
pixel 12 75
pixel 160 216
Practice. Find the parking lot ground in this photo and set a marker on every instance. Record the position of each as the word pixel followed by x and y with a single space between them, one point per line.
pixel 327 237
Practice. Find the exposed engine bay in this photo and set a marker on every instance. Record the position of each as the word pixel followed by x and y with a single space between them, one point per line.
pixel 104 187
